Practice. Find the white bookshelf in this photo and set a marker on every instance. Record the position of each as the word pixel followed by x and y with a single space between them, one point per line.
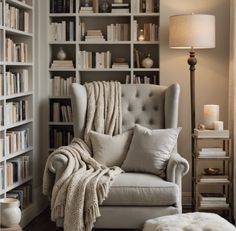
pixel 100 21
pixel 18 33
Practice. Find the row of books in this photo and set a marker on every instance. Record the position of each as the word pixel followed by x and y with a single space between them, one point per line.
pixel 147 6
pixel 15 141
pixel 135 79
pixel 61 113
pixel 62 6
pixel 16 18
pixel 212 152
pixel 23 194
pixel 89 59
pixel 94 36
pixel 62 64
pixel 17 81
pixel 60 138
pixel 213 200
pixel 16 111
pixel 1 13
pixel 18 169
pixel 1 177
pixel 60 86
pixel 150 31
pixel 61 31
pixel 16 52
pixel 118 32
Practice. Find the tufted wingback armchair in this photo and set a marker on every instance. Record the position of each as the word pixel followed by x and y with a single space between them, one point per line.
pixel 136 197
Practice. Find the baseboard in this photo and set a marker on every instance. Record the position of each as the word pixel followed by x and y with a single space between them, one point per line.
pixel 40 204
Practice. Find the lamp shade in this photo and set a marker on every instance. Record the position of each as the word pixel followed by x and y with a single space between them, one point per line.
pixel 192 31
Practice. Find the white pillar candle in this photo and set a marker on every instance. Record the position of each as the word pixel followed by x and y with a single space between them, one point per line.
pixel 219 125
pixel 211 114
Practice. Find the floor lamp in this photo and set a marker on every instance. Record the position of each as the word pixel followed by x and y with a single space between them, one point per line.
pixel 192 31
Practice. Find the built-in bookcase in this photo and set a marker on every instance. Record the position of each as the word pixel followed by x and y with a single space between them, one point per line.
pixel 100 44
pixel 16 100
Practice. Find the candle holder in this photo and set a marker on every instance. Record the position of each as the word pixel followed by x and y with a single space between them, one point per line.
pixel 141 35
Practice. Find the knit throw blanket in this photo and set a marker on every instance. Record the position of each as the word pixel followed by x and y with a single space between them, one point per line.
pixel 85 183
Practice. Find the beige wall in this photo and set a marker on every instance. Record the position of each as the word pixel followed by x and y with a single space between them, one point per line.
pixel 211 70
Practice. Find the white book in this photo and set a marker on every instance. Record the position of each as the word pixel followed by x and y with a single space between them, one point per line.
pixel 71 31
pixel 26 21
pixel 56 112
pixel 1 14
pixel 211 133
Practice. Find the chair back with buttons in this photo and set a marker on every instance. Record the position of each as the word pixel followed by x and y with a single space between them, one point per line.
pixel 152 106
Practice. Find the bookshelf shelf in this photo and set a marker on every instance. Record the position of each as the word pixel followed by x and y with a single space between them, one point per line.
pixel 19 4
pixel 17 32
pixel 18 64
pixel 103 15
pixel 62 15
pixel 15 185
pixel 100 39
pixel 13 155
pixel 19 124
pixel 19 95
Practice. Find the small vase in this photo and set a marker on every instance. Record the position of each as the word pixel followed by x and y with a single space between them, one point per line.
pixel 61 54
pixel 10 213
pixel 147 62
pixel 105 7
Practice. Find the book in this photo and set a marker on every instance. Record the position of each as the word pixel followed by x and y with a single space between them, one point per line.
pixel 211 133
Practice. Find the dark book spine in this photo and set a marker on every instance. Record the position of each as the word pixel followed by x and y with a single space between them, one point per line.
pixel 60 6
pixel 52 4
pixel 51 138
pixel 15 171
pixel 156 6
pixel 67 31
pixel 67 6
pixel 23 110
pixel 143 6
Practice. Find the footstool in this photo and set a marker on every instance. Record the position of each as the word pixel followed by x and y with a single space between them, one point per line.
pixel 189 222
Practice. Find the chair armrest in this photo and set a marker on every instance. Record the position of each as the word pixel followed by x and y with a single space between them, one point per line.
pixel 177 167
pixel 57 165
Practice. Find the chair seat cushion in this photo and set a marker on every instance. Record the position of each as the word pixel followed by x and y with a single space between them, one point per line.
pixel 142 189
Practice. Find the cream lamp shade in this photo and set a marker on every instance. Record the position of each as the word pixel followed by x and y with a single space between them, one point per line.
pixel 192 31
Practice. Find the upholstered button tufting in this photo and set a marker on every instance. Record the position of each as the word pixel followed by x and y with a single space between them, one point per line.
pixel 137 94
pixel 150 121
pixel 129 108
pixel 156 108
pixel 122 94
pixel 143 108
pixel 150 94
pixel 136 121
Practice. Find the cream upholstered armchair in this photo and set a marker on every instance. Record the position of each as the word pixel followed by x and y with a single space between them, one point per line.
pixel 135 196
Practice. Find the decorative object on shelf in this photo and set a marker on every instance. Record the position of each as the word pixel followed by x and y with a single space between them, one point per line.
pixel 141 35
pixel 219 125
pixel 105 6
pixel 211 114
pixel 212 171
pixel 87 3
pixel 147 62
pixel 10 212
pixel 61 55
pixel 201 126
pixel 120 60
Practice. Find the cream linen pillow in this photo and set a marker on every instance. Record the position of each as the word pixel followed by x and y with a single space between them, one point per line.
pixel 150 150
pixel 110 150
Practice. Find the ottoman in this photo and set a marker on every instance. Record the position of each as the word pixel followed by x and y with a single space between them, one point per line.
pixel 189 222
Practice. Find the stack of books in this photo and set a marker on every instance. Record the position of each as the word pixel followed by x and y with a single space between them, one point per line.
pixel 213 200
pixel 23 194
pixel 94 36
pixel 86 9
pixel 214 178
pixel 62 64
pixel 211 133
pixel 122 65
pixel 120 8
pixel 212 152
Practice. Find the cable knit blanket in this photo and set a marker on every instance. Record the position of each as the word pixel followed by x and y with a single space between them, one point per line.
pixel 85 183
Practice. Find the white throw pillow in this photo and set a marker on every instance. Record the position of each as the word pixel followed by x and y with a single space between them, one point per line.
pixel 150 150
pixel 110 150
